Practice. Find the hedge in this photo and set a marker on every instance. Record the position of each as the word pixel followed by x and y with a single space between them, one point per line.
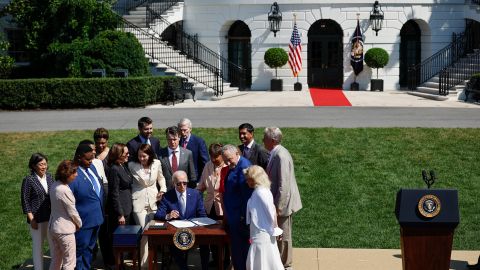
pixel 67 93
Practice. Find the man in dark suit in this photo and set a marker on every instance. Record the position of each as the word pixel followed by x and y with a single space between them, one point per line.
pixel 181 203
pixel 193 143
pixel 235 200
pixel 249 149
pixel 88 191
pixel 175 158
pixel 145 129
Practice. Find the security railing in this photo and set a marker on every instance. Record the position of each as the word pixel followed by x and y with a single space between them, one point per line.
pixel 461 44
pixel 122 7
pixel 459 72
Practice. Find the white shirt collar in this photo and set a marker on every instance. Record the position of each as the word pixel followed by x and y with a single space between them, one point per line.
pixel 180 194
pixel 171 150
pixel 249 146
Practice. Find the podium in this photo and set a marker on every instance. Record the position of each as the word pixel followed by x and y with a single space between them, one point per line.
pixel 427 218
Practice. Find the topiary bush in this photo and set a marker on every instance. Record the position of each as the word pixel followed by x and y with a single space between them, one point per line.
pixel 376 58
pixel 275 58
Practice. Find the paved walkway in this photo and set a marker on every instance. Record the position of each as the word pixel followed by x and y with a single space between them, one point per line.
pixel 332 259
pixel 390 98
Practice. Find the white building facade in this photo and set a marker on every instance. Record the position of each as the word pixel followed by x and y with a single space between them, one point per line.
pixel 412 31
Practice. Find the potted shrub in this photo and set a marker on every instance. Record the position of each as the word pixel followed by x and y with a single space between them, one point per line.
pixel 275 58
pixel 376 58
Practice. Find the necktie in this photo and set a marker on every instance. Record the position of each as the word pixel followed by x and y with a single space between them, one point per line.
pixel 182 204
pixel 174 162
pixel 148 142
pixel 246 152
pixel 94 182
pixel 185 142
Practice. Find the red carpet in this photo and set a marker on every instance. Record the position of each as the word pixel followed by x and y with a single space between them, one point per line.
pixel 328 97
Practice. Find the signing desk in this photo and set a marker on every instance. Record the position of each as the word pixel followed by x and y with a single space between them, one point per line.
pixel 204 235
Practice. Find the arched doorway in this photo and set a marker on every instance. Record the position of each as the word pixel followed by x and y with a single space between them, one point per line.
pixel 325 55
pixel 240 52
pixel 410 49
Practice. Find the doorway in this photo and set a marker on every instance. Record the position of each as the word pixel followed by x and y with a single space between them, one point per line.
pixel 239 53
pixel 410 49
pixel 325 55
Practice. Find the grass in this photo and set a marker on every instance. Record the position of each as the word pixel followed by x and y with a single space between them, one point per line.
pixel 348 179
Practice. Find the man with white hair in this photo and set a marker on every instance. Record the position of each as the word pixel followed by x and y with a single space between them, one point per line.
pixel 235 200
pixel 181 202
pixel 284 188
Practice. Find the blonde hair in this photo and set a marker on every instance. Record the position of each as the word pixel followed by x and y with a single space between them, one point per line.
pixel 258 175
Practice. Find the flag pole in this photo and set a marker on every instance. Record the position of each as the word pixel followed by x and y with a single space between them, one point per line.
pixel 294 22
pixel 358 19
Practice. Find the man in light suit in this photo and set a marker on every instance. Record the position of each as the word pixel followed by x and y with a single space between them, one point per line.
pixel 235 200
pixel 181 203
pixel 251 150
pixel 284 188
pixel 175 158
pixel 145 129
pixel 196 145
pixel 88 191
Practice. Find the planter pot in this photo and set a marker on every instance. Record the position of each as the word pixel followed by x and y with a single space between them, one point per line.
pixel 376 85
pixel 354 86
pixel 297 86
pixel 276 85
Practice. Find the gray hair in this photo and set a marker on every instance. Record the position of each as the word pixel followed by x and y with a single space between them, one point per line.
pixel 185 121
pixel 178 174
pixel 273 133
pixel 230 148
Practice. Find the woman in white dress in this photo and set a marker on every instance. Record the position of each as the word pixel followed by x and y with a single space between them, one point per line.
pixel 147 174
pixel 262 217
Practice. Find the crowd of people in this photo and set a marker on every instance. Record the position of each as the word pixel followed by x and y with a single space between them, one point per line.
pixel 251 187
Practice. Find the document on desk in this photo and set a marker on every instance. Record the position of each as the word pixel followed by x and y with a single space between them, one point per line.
pixel 203 221
pixel 182 223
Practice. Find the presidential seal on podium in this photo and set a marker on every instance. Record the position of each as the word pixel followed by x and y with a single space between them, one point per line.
pixel 429 206
pixel 184 239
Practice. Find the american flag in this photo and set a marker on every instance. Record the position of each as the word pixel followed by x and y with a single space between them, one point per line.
pixel 295 52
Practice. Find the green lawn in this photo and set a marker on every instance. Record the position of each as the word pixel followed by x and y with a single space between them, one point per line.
pixel 348 179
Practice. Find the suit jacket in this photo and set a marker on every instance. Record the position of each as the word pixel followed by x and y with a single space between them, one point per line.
pixel 135 143
pixel 88 204
pixel 146 189
pixel 120 181
pixel 64 214
pixel 185 164
pixel 34 198
pixel 194 205
pixel 258 155
pixel 199 150
pixel 236 193
pixel 284 185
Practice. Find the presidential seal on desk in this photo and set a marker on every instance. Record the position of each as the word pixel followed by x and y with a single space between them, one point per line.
pixel 429 206
pixel 184 239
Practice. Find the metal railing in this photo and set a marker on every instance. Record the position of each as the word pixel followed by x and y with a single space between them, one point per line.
pixel 158 50
pixel 189 45
pixel 475 2
pixel 446 57
pixel 461 71
pixel 157 7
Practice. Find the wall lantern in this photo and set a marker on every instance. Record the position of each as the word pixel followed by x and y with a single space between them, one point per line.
pixel 376 17
pixel 274 18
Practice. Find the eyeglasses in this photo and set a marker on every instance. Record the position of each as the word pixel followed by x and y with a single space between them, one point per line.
pixel 181 183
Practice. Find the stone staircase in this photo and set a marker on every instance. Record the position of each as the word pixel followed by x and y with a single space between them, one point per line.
pixel 430 88
pixel 169 61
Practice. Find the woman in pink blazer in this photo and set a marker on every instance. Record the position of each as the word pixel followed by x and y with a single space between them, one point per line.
pixel 64 218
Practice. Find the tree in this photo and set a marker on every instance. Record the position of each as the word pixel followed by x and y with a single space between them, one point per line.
pixel 6 61
pixel 60 22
